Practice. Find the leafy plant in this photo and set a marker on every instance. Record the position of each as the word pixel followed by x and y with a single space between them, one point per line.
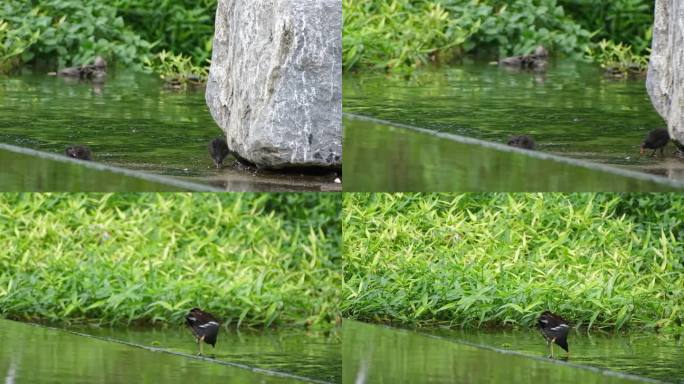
pixel 13 43
pixel 148 258
pixel 622 21
pixel 603 260
pixel 401 35
pixel 185 27
pixel 618 60
pixel 177 70
pixel 73 32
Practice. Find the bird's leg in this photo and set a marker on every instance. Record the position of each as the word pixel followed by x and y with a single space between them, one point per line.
pixel 552 341
pixel 199 342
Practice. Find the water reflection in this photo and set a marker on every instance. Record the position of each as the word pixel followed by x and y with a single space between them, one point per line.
pixel 378 354
pixel 572 109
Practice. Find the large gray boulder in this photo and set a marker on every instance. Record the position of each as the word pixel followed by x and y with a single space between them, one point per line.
pixel 665 82
pixel 275 83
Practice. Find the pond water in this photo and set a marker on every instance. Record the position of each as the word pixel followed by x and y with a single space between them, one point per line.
pixel 386 158
pixel 571 110
pixel 382 354
pixel 33 353
pixel 131 121
pixel 26 170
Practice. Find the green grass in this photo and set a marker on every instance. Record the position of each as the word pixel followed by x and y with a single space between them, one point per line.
pixel 602 260
pixel 402 35
pixel 253 260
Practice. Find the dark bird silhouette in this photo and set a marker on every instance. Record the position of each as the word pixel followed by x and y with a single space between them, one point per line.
pixel 80 152
pixel 523 141
pixel 680 148
pixel 218 149
pixel 204 327
pixel 657 139
pixel 554 329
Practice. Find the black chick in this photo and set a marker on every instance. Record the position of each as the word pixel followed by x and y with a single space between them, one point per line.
pixel 204 327
pixel 523 141
pixel 218 149
pixel 656 139
pixel 554 329
pixel 80 152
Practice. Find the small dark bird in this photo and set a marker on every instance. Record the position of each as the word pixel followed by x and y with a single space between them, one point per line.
pixel 524 142
pixel 204 326
pixel 218 149
pixel 680 148
pixel 554 329
pixel 656 139
pixel 80 152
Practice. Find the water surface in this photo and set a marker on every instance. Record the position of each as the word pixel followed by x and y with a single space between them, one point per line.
pixel 571 110
pixel 312 355
pixel 32 354
pixel 379 354
pixel 385 158
pixel 131 121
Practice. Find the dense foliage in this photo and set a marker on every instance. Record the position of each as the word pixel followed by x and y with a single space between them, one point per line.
pixel 602 260
pixel 180 26
pixel 405 34
pixel 162 34
pixel 251 259
pixel 72 32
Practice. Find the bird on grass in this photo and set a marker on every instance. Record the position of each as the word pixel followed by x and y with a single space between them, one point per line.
pixel 80 152
pixel 218 150
pixel 204 327
pixel 523 141
pixel 555 329
pixel 657 139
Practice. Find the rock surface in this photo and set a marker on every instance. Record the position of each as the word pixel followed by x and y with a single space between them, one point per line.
pixel 275 83
pixel 665 82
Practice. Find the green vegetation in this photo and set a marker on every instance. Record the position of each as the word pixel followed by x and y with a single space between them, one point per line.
pixel 252 259
pixel 13 43
pixel 60 33
pixel 401 35
pixel 602 260
pixel 618 60
pixel 66 32
pixel 177 70
pixel 184 27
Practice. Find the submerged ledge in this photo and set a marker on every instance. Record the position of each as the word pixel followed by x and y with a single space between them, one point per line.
pixel 390 157
pixel 28 170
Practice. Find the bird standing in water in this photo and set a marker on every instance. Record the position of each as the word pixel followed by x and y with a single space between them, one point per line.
pixel 656 139
pixel 554 329
pixel 204 327
pixel 80 152
pixel 218 149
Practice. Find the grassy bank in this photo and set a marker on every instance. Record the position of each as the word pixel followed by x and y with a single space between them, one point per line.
pixel 602 260
pixel 402 35
pixel 251 259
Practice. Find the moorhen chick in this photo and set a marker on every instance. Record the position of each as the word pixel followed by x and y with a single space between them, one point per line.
pixel 554 329
pixel 204 326
pixel 656 139
pixel 80 152
pixel 218 149
pixel 523 141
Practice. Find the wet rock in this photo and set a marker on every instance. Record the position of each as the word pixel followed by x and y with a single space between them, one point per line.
pixel 97 71
pixel 535 61
pixel 665 81
pixel 275 85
